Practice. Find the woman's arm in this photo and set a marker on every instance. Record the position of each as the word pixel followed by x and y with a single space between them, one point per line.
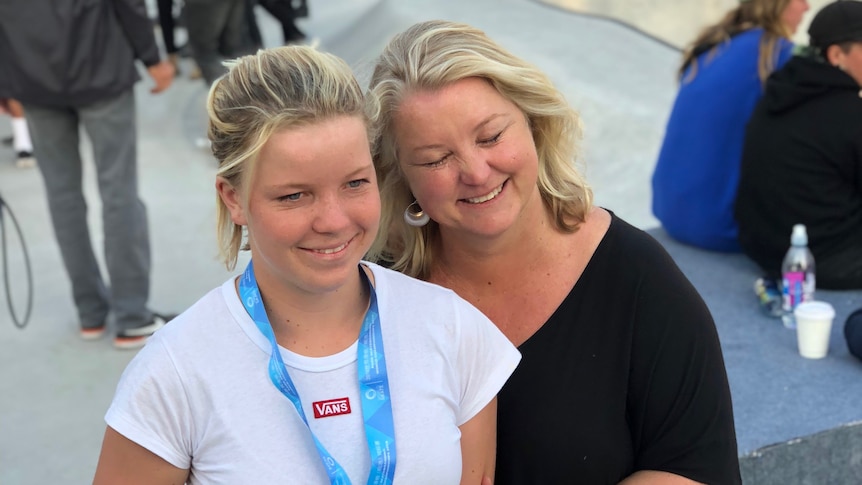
pixel 125 462
pixel 478 446
pixel 649 477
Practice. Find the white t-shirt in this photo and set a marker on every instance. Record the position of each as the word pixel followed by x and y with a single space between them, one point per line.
pixel 199 393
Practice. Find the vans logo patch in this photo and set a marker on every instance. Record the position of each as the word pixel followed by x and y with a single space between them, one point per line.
pixel 332 407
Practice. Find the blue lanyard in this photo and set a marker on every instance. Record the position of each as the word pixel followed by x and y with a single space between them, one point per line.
pixel 373 385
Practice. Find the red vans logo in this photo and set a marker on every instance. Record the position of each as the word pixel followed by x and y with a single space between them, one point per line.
pixel 333 407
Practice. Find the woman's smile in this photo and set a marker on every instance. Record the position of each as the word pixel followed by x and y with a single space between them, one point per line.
pixel 485 198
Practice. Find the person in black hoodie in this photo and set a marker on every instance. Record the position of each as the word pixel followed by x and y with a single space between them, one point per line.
pixel 802 157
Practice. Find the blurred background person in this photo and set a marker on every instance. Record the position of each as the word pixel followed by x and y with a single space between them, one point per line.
pixel 21 142
pixel 170 17
pixel 167 26
pixel 218 30
pixel 286 13
pixel 721 79
pixel 93 88
pixel 802 160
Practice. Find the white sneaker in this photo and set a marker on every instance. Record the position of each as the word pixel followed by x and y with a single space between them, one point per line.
pixel 25 160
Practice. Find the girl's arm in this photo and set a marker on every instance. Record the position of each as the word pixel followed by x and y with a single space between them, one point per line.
pixel 479 446
pixel 125 462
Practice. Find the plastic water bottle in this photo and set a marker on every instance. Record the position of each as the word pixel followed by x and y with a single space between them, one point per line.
pixel 797 275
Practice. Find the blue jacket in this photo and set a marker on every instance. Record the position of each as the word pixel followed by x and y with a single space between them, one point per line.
pixel 695 179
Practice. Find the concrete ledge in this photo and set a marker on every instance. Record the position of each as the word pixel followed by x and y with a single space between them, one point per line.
pixel 832 456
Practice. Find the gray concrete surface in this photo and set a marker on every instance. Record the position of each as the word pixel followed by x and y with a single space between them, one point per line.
pixel 55 388
pixel 673 21
pixel 832 457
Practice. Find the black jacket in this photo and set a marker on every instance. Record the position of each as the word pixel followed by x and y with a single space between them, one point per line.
pixel 72 52
pixel 802 163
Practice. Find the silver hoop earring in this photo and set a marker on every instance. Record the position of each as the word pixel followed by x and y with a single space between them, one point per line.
pixel 416 219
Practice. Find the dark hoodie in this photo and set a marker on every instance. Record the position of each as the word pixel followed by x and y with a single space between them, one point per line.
pixel 802 163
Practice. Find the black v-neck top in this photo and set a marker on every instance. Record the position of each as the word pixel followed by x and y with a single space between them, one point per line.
pixel 626 375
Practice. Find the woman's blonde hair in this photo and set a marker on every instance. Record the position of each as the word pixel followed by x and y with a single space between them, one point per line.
pixel 429 56
pixel 749 14
pixel 261 94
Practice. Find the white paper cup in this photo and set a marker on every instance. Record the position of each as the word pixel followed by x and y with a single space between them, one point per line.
pixel 813 327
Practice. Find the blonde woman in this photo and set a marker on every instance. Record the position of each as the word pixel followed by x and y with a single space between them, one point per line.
pixel 722 77
pixel 312 367
pixel 622 377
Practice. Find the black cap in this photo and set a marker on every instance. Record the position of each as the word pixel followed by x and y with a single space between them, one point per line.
pixel 837 22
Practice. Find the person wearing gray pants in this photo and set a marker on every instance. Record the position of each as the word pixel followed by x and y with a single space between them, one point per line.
pixel 217 31
pixel 91 86
pixel 110 125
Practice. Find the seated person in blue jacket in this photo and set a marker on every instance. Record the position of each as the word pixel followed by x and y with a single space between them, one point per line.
pixel 721 78
pixel 802 161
